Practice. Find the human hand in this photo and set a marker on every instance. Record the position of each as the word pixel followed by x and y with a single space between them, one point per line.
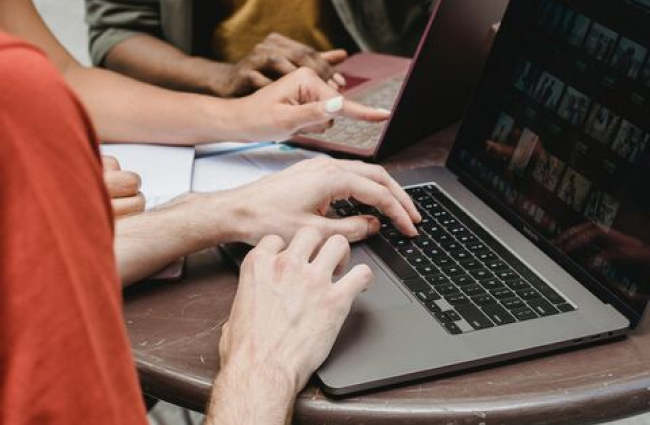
pixel 301 196
pixel 273 58
pixel 288 310
pixel 123 188
pixel 298 102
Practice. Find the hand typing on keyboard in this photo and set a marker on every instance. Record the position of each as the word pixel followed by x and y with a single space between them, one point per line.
pixel 301 196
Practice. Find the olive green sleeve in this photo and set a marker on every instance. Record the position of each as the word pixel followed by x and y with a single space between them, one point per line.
pixel 113 21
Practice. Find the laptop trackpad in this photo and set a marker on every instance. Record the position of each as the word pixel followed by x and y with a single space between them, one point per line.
pixel 383 292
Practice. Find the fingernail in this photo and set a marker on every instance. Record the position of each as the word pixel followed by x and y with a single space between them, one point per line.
pixel 339 79
pixel 383 111
pixel 334 105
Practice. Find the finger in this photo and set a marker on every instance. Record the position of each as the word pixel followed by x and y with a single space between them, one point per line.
pixel 354 283
pixel 381 176
pixel 317 113
pixel 128 206
pixel 376 195
pixel 334 57
pixel 361 112
pixel 280 65
pixel 303 55
pixel 334 255
pixel 110 163
pixel 271 244
pixel 304 244
pixel 318 129
pixel 122 184
pixel 258 80
pixel 355 228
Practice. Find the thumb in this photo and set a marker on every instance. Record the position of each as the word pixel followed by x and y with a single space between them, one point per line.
pixel 354 228
pixel 334 57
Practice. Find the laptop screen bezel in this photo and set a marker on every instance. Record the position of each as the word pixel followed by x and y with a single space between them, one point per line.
pixel 454 164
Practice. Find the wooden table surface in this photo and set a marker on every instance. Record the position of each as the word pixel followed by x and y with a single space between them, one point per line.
pixel 175 330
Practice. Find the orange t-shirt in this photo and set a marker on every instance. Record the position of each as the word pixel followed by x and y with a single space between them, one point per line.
pixel 64 352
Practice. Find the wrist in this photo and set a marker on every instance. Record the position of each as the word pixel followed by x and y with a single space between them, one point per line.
pixel 251 394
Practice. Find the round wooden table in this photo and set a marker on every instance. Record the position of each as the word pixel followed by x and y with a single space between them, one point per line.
pixel 175 330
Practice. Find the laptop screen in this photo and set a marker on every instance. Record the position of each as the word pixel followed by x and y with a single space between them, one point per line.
pixel 558 138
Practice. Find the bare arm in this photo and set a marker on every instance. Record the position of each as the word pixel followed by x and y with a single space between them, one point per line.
pixel 126 110
pixel 153 60
pixel 145 243
pixel 147 58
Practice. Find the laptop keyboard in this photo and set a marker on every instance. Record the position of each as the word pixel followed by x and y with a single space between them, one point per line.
pixel 362 134
pixel 464 277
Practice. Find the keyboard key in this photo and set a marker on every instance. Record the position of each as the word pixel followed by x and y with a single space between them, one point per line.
pixel 423 242
pixel 466 239
pixel 548 292
pixel 508 274
pixel 565 308
pixel 443 317
pixel 447 289
pixel 392 234
pixel 497 265
pixel 483 299
pixel 481 274
pixel 340 204
pixel 451 246
pixel 453 328
pixel 434 253
pixel 387 253
pixel 437 279
pixel 542 307
pixel 428 270
pixel 517 284
pixel 434 308
pixel 444 261
pixel 452 271
pixel 419 260
pixel 471 265
pixel 528 294
pixel 524 313
pixel 498 314
pixel 502 294
pixel 401 243
pixel 491 284
pixel 486 256
pixel 429 295
pixel 476 246
pixel 474 316
pixel 513 303
pixel 463 280
pixel 461 255
pixel 417 285
pixel 473 290
pixel 457 299
pixel 455 317
pixel 409 251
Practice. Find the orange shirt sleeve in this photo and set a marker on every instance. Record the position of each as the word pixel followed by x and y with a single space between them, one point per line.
pixel 64 352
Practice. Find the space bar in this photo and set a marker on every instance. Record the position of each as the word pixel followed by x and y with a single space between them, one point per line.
pixel 393 260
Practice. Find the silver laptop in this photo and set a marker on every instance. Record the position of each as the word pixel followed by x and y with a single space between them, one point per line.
pixel 537 231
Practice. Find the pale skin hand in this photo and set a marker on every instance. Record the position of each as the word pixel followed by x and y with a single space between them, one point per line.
pixel 285 319
pixel 123 188
pixel 279 204
pixel 126 110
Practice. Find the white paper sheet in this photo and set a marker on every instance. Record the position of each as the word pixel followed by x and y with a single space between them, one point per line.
pixel 166 171
pixel 227 166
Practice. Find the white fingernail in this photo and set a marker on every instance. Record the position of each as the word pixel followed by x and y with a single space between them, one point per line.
pixel 339 79
pixel 384 111
pixel 334 105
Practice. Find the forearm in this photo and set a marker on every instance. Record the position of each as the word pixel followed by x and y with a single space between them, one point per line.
pixel 250 395
pixel 148 242
pixel 123 109
pixel 155 61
